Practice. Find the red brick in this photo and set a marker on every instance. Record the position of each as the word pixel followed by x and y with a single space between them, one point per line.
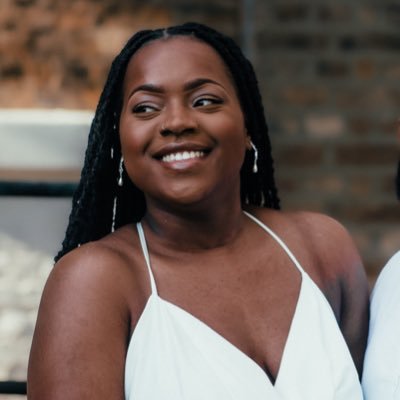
pixel 365 154
pixel 332 68
pixel 294 41
pixel 366 100
pixel 387 184
pixel 287 184
pixel 301 155
pixel 360 125
pixel 292 203
pixel 380 40
pixel 391 70
pixel 389 242
pixel 367 125
pixel 365 69
pixel 387 213
pixel 330 185
pixel 324 126
pixel 360 186
pixel 303 95
pixel 334 12
pixel 291 12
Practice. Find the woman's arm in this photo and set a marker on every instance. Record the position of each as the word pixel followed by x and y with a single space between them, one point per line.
pixel 354 318
pixel 79 345
pixel 341 265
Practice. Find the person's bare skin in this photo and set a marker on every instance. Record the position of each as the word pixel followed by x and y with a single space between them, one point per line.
pixel 207 256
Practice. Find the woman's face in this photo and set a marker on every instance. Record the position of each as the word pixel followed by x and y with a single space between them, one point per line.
pixel 182 129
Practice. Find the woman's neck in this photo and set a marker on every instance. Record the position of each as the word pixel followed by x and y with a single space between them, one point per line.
pixel 191 230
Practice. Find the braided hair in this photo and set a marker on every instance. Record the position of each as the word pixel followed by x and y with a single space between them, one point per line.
pixel 98 192
pixel 398 180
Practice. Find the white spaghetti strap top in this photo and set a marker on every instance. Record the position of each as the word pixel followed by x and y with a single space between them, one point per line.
pixel 278 240
pixel 173 355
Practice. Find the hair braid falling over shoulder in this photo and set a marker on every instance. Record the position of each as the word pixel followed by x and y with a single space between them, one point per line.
pixel 92 204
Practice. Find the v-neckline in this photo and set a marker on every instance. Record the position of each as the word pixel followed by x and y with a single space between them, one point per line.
pixel 303 274
pixel 253 364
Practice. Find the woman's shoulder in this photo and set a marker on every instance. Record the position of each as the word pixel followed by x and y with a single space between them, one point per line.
pixel 310 222
pixel 322 245
pixel 88 304
pixel 108 267
pixel 318 234
pixel 99 259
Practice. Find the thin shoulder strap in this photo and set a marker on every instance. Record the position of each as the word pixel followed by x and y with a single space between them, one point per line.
pixel 146 256
pixel 278 240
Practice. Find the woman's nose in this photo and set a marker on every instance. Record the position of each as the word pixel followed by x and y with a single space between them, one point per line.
pixel 178 121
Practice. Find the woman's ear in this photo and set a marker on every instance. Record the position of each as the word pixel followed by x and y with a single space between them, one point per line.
pixel 248 142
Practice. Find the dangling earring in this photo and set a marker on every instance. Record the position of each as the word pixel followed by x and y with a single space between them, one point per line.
pixel 120 179
pixel 120 184
pixel 255 168
pixel 114 214
pixel 121 170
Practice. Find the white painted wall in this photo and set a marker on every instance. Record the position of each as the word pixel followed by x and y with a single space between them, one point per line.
pixel 45 140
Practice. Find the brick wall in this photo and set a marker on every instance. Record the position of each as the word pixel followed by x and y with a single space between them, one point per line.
pixel 330 77
pixel 329 73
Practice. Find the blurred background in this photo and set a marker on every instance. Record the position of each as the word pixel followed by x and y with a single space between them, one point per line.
pixel 329 73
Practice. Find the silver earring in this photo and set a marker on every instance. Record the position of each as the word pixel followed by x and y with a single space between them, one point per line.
pixel 255 168
pixel 114 214
pixel 120 183
pixel 121 170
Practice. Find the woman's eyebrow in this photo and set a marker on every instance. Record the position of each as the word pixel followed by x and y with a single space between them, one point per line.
pixel 146 87
pixel 194 84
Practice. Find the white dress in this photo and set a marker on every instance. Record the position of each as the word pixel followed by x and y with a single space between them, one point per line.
pixel 175 356
pixel 381 376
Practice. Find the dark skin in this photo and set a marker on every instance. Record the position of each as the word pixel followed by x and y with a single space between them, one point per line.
pixel 210 260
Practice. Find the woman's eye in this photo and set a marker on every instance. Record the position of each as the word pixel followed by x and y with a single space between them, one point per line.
pixel 206 101
pixel 144 109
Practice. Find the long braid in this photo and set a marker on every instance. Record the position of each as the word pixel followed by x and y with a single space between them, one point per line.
pixel 398 180
pixel 92 204
pixel 91 215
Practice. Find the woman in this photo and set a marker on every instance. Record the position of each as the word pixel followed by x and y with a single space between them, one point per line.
pixel 381 375
pixel 165 287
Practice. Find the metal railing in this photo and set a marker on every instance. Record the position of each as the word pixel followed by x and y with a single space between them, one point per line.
pixel 12 387
pixel 37 189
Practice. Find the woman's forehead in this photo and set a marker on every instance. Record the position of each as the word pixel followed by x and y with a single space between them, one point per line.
pixel 177 53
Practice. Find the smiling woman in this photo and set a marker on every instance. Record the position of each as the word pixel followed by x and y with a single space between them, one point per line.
pixel 179 277
pixel 169 114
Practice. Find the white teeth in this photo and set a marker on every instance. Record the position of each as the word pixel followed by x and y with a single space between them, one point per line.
pixel 185 155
